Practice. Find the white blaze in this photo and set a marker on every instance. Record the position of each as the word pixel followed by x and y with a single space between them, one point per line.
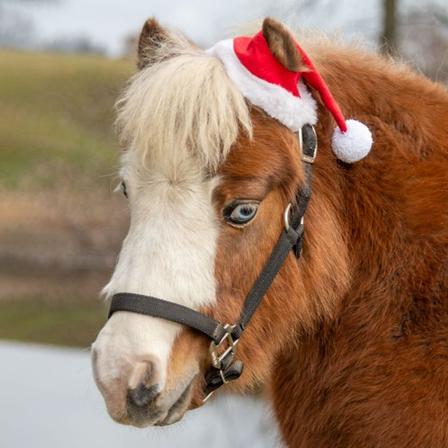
pixel 169 253
pixel 180 116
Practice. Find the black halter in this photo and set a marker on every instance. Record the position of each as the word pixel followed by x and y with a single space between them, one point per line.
pixel 226 336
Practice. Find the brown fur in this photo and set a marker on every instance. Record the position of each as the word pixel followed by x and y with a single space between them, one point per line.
pixel 282 45
pixel 376 375
pixel 152 36
pixel 361 362
pixel 352 340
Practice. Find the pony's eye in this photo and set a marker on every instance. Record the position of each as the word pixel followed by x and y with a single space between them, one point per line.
pixel 240 213
pixel 123 188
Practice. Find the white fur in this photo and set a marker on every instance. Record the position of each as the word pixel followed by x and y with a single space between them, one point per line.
pixel 354 144
pixel 292 111
pixel 184 103
pixel 169 253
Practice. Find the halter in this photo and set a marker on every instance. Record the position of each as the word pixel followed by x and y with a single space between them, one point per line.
pixel 225 337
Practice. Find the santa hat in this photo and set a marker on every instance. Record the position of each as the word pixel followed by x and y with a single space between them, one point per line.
pixel 283 94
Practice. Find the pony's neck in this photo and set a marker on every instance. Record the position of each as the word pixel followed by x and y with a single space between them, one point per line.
pixel 375 248
pixel 367 217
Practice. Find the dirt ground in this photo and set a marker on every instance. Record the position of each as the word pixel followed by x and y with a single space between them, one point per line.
pixel 58 239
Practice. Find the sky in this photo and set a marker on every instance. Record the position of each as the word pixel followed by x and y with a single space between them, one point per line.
pixel 108 22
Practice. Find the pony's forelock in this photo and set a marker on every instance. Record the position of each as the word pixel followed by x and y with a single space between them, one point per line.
pixel 182 105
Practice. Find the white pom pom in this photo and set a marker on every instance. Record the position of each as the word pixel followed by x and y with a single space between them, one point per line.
pixel 354 144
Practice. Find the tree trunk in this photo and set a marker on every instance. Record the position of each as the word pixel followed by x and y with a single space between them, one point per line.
pixel 388 38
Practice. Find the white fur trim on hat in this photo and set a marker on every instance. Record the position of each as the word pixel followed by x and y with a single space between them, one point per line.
pixel 354 144
pixel 294 112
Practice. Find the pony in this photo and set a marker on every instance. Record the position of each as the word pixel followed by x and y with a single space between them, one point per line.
pixel 350 341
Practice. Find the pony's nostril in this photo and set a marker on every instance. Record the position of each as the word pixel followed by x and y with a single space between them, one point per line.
pixel 143 384
pixel 142 395
pixel 144 373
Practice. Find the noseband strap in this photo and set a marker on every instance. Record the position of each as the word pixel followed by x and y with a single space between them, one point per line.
pixel 163 309
pixel 225 337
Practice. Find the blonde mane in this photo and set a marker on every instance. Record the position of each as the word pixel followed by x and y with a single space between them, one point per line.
pixel 182 104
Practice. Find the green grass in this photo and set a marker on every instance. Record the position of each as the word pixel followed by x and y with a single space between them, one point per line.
pixel 56 117
pixel 70 323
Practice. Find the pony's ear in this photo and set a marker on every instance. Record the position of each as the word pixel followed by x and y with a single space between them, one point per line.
pixel 282 45
pixel 151 39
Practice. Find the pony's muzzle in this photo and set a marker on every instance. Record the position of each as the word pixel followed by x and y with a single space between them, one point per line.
pixel 130 389
pixel 136 394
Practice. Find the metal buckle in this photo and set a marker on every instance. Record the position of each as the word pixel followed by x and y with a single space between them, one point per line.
pixel 305 157
pixel 286 215
pixel 216 355
pixel 219 356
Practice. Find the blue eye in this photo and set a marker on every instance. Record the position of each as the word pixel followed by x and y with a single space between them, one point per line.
pixel 240 213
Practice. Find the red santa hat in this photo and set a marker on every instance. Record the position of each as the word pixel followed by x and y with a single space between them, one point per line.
pixel 283 94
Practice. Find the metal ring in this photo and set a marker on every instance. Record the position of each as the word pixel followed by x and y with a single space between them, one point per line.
pixel 286 216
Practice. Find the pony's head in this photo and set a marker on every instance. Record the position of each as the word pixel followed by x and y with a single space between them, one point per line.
pixel 208 177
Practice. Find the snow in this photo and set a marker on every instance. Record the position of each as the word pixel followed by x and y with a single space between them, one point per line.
pixel 48 399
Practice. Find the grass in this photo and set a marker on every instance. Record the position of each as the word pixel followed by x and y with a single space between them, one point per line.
pixel 70 323
pixel 56 117
pixel 56 121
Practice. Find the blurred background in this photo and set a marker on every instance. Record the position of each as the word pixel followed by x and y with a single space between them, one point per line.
pixel 62 64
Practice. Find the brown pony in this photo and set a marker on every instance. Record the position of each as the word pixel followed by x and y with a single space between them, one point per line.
pixel 351 342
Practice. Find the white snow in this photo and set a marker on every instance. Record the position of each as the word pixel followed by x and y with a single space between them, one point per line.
pixel 48 400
